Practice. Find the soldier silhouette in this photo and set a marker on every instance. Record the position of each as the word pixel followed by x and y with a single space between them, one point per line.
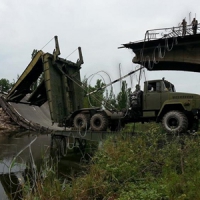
pixel 194 26
pixel 184 24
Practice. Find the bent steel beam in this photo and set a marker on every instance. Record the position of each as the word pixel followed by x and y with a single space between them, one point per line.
pixel 28 77
pixel 59 84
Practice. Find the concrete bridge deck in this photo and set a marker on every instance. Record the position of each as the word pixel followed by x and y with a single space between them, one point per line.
pixel 29 116
pixel 168 49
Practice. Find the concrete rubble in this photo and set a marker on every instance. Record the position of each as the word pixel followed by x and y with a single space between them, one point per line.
pixel 7 125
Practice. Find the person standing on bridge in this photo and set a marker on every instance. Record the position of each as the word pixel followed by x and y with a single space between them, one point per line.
pixel 194 26
pixel 184 24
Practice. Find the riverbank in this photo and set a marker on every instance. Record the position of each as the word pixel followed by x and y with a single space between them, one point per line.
pixel 6 124
pixel 147 166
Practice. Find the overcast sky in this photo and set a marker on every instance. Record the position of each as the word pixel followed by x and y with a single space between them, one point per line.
pixel 99 27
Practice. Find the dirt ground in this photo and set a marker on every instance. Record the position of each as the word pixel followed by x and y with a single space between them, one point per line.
pixel 7 125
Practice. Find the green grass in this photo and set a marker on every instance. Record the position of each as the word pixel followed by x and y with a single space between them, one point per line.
pixel 147 166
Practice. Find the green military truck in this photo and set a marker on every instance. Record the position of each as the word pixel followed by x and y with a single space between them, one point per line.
pixel 61 86
pixel 159 102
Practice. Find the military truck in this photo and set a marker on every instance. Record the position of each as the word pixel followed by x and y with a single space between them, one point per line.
pixel 159 102
pixel 61 86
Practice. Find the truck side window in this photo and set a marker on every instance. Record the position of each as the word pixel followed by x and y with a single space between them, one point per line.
pixel 158 86
pixel 152 87
pixel 149 87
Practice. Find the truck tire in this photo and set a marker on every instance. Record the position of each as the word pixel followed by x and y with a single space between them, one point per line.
pixel 99 122
pixel 175 122
pixel 81 121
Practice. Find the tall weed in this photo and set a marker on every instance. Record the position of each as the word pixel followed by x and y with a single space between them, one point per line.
pixel 145 165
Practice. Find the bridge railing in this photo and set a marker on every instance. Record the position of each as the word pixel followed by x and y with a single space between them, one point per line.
pixel 155 34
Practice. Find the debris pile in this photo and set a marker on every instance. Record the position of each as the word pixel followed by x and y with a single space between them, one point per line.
pixel 6 123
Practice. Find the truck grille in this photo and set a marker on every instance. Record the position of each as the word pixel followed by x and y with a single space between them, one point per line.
pixel 183 97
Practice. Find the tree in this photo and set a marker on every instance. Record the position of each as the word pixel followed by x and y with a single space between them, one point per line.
pixel 111 101
pixel 5 85
pixel 95 99
pixel 123 96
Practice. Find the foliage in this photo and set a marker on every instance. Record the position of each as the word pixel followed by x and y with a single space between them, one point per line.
pixel 103 97
pixel 123 96
pixel 47 186
pixel 110 99
pixel 147 165
pixel 96 98
pixel 5 85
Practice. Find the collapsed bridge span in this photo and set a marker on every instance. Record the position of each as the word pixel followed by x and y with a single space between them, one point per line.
pixel 49 78
pixel 32 118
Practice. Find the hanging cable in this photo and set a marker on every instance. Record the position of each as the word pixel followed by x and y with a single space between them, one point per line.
pixel 144 59
pixel 76 82
pixel 115 81
pixel 47 43
pixel 71 53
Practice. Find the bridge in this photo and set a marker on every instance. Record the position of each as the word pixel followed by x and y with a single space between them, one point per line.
pixel 46 93
pixel 48 77
pixel 168 49
pixel 50 88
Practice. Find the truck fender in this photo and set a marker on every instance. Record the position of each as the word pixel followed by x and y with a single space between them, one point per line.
pixel 167 107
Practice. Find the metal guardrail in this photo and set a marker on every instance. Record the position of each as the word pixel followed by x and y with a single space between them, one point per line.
pixel 163 33
pixel 21 121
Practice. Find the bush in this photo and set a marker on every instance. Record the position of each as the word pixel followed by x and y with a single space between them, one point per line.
pixel 151 165
pixel 148 165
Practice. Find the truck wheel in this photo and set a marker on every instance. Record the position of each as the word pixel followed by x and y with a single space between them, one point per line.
pixel 175 122
pixel 81 121
pixel 99 122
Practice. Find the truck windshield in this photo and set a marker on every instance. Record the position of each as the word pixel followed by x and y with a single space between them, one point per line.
pixel 170 87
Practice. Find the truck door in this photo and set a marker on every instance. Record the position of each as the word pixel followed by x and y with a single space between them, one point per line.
pixel 152 98
pixel 167 88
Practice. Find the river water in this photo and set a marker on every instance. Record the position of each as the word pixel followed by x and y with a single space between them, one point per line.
pixel 17 151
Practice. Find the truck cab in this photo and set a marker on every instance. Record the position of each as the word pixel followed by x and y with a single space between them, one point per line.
pixel 177 111
pixel 156 92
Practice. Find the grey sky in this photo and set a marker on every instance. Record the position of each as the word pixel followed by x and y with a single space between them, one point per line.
pixel 99 27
